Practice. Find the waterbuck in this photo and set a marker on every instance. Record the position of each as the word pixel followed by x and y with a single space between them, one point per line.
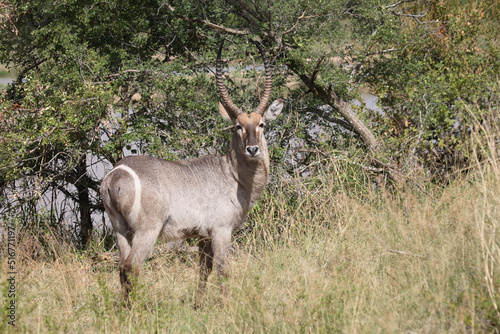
pixel 208 197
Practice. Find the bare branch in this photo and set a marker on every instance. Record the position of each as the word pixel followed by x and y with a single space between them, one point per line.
pixel 413 16
pixel 328 118
pixel 249 19
pixel 216 27
pixel 316 69
pixel 383 51
pixel 301 17
pixel 256 74
pixel 329 96
pixel 252 12
pixel 126 71
pixel 398 3
pixel 211 25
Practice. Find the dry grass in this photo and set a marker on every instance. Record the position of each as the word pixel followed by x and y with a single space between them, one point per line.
pixel 330 255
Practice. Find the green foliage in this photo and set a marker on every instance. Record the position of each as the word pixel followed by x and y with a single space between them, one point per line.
pixel 439 70
pixel 100 80
pixel 95 79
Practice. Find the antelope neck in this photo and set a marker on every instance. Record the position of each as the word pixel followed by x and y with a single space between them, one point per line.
pixel 250 173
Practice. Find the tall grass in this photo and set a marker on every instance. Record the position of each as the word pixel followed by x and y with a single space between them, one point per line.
pixel 331 253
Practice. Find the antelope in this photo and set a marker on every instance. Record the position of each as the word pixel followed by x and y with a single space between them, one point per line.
pixel 208 197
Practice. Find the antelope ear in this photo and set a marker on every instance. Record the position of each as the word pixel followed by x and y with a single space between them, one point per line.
pixel 274 110
pixel 223 112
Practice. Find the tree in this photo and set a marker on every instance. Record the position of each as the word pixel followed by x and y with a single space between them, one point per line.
pixel 82 67
pixel 430 62
pixel 440 84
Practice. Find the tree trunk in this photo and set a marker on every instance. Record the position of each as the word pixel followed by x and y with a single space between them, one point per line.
pixel 329 96
pixel 84 205
pixel 85 219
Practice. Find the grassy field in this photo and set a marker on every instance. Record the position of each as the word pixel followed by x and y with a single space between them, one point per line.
pixel 322 255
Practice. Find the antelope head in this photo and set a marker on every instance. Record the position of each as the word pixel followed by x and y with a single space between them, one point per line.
pixel 249 127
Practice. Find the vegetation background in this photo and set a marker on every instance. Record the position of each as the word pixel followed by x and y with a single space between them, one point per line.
pixel 374 221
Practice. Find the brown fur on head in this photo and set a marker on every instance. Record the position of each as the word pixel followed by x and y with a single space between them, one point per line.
pixel 249 128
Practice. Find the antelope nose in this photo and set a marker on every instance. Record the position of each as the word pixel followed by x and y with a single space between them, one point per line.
pixel 253 150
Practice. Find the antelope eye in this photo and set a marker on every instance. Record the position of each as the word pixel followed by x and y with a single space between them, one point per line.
pixel 238 127
pixel 261 125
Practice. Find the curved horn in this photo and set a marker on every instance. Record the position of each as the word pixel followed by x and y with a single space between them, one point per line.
pixel 231 108
pixel 261 108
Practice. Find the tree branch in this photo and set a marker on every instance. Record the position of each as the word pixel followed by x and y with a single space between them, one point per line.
pixel 252 12
pixel 328 118
pixel 316 69
pixel 301 17
pixel 248 13
pixel 383 51
pixel 398 3
pixel 343 107
pixel 216 27
pixel 211 25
